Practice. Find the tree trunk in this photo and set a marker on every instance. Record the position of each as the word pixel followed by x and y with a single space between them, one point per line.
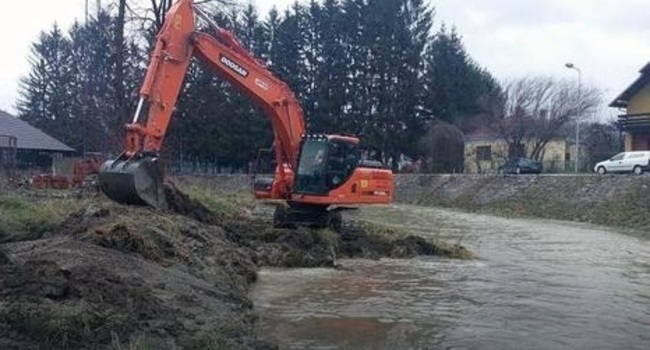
pixel 118 82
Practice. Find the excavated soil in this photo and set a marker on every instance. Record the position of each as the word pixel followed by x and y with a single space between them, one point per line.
pixel 112 276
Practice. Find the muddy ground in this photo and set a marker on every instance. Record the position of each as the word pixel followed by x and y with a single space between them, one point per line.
pixel 117 277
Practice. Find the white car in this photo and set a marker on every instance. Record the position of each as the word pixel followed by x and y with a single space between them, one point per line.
pixel 634 161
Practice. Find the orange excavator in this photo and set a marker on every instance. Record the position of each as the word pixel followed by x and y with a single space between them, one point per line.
pixel 316 175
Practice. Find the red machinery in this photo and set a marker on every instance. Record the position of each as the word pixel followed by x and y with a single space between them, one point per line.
pixel 82 171
pixel 315 191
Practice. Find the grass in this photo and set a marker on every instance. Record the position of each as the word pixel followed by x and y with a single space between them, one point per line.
pixel 392 233
pixel 630 211
pixel 224 202
pixel 627 211
pixel 22 218
pixel 136 342
pixel 221 338
pixel 624 211
pixel 71 327
pixel 61 327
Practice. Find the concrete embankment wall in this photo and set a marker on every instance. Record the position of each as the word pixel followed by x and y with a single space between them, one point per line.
pixel 617 200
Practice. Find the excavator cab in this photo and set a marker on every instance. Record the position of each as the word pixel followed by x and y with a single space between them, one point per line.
pixel 263 172
pixel 325 163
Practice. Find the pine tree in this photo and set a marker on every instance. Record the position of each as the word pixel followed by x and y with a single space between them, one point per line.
pixel 224 125
pixel 358 86
pixel 287 52
pixel 331 69
pixel 76 77
pixel 45 93
pixel 118 58
pixel 454 82
pixel 249 129
pixel 357 66
pixel 391 36
pixel 95 107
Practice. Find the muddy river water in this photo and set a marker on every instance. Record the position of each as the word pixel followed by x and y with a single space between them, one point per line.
pixel 534 284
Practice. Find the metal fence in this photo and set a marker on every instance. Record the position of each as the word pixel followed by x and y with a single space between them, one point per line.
pixel 179 168
pixel 491 167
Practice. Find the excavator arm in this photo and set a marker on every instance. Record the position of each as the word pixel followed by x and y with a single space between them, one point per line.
pixel 136 176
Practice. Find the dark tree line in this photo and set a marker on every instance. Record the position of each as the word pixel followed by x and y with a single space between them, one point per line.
pixel 371 68
pixel 71 91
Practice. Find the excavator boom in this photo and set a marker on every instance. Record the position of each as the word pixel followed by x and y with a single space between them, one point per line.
pixel 136 176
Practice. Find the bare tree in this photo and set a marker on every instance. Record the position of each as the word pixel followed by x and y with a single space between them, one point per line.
pixel 159 8
pixel 150 15
pixel 602 140
pixel 533 110
pixel 443 148
pixel 118 81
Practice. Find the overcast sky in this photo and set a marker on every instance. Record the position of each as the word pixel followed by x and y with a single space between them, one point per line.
pixel 608 40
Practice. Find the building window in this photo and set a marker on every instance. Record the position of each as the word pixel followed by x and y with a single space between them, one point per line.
pixel 484 153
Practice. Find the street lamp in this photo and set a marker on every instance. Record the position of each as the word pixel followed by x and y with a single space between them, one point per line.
pixel 572 66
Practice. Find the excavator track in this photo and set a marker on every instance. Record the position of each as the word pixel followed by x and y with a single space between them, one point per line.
pixel 294 215
pixel 266 214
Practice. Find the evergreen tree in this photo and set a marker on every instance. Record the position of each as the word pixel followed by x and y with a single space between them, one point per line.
pixel 287 52
pixel 118 61
pixel 45 93
pixel 395 40
pixel 72 89
pixel 249 129
pixel 223 124
pixel 95 100
pixel 454 82
pixel 358 87
pixel 331 69
pixel 364 67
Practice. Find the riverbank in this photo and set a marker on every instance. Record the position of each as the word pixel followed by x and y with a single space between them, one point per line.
pixel 78 271
pixel 621 201
pixel 612 200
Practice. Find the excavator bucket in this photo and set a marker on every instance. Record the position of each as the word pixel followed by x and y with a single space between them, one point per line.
pixel 136 182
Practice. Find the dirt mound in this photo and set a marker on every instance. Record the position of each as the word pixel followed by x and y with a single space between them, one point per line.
pixel 182 204
pixel 373 243
pixel 127 277
pixel 300 247
pixel 304 247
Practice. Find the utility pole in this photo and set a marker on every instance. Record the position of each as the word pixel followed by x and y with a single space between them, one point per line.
pixel 98 9
pixel 572 66
pixel 84 108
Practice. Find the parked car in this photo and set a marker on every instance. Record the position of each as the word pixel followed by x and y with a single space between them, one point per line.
pixel 634 161
pixel 521 165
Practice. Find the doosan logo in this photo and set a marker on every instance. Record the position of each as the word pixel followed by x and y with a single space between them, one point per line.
pixel 234 66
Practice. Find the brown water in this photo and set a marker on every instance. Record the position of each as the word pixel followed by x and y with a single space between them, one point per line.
pixel 535 284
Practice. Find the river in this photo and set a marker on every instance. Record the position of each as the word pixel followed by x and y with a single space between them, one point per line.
pixel 534 284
